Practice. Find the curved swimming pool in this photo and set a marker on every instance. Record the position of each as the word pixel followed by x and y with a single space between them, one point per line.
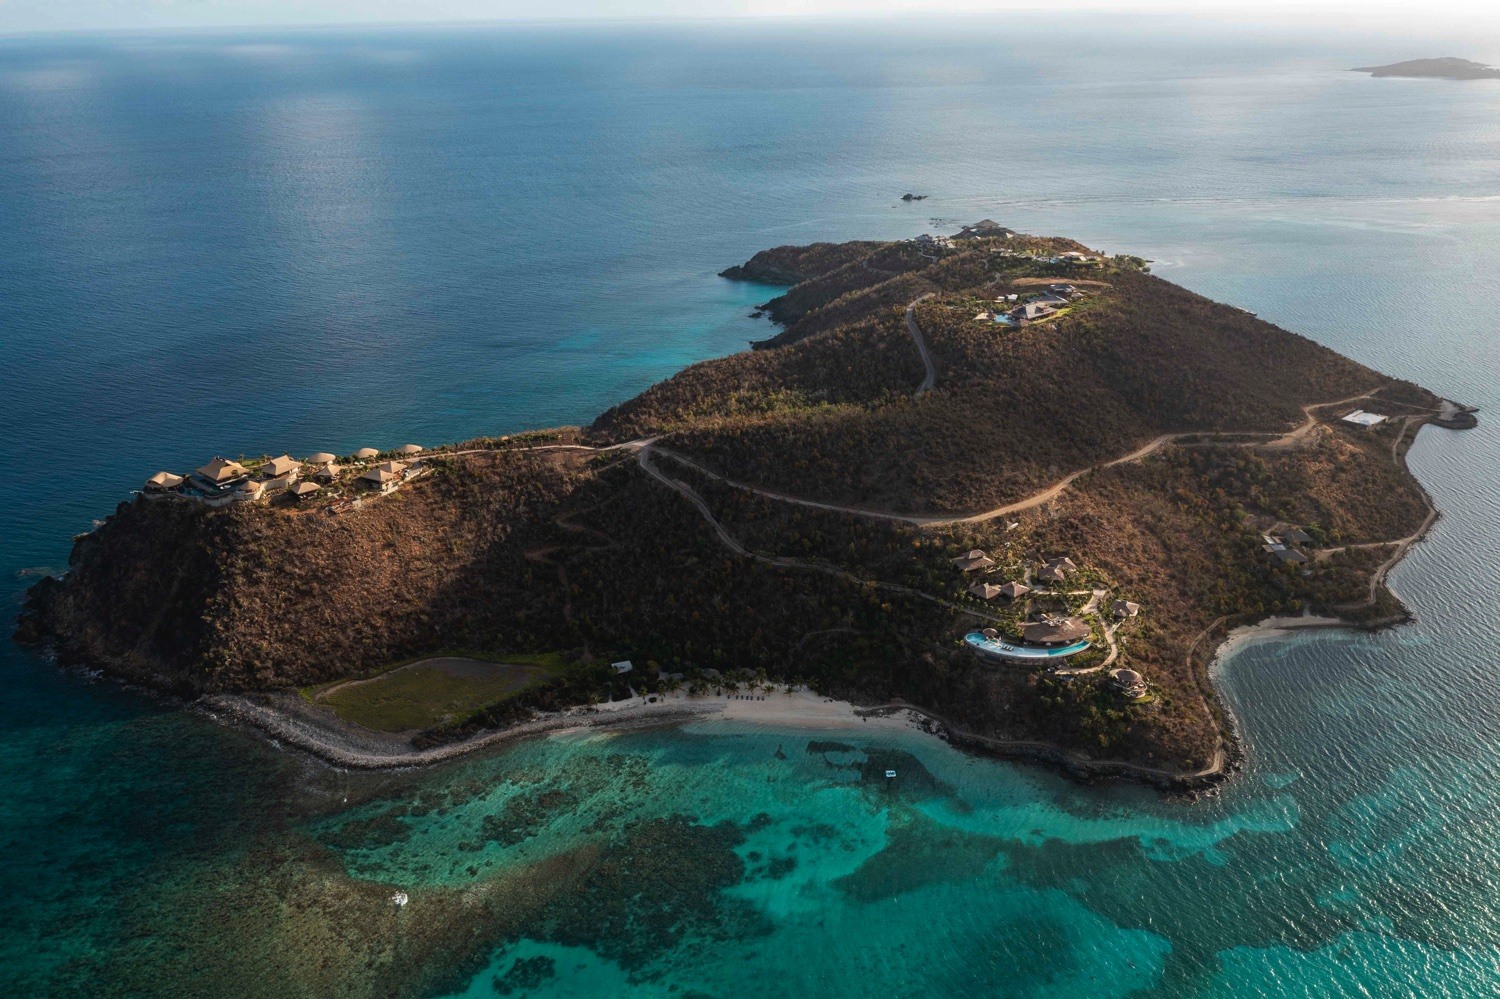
pixel 997 647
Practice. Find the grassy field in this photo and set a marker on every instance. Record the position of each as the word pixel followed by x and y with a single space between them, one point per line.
pixel 431 691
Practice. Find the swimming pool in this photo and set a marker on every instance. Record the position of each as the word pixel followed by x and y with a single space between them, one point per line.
pixel 996 647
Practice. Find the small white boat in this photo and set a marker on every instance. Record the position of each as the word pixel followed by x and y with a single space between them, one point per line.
pixel 890 773
pixel 400 899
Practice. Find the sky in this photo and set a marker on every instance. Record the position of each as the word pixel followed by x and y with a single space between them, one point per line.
pixel 23 16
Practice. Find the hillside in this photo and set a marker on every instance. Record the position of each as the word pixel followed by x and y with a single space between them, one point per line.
pixel 1151 437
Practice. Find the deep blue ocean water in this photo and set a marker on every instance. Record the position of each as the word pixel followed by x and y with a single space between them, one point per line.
pixel 252 243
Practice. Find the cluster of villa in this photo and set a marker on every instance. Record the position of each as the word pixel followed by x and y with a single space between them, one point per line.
pixel 1281 547
pixel 223 481
pixel 1048 637
pixel 1034 309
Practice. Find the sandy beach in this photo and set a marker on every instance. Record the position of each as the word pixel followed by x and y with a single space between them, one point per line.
pixel 288 719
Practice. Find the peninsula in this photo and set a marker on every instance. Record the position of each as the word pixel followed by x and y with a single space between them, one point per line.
pixel 1445 68
pixel 1010 486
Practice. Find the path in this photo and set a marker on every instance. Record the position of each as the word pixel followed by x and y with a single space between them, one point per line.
pixel 643 458
pixel 916 334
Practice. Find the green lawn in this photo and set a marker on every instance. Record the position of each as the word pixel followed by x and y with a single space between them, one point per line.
pixel 431 691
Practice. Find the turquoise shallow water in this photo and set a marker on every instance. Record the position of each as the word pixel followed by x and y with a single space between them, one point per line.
pixel 317 241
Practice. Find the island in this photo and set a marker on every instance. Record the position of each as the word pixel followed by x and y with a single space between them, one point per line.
pixel 1004 486
pixel 1445 68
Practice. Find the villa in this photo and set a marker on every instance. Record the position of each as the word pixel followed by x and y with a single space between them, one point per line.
pixel 1055 631
pixel 410 449
pixel 1125 608
pixel 385 476
pixel 986 591
pixel 971 560
pixel 1014 590
pixel 163 482
pixel 1032 311
pixel 219 476
pixel 366 453
pixel 285 467
pixel 1296 536
pixel 1129 683
pixel 303 489
pixel 381 479
pixel 1052 574
pixel 249 490
pixel 327 473
pixel 320 459
pixel 1064 563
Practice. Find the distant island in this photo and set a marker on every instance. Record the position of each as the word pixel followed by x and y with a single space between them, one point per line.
pixel 1006 486
pixel 1446 68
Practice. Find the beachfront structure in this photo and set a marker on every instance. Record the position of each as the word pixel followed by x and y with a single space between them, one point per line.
pixel 303 489
pixel 1124 608
pixel 1054 631
pixel 971 560
pixel 366 453
pixel 1014 590
pixel 163 482
pixel 321 458
pixel 985 591
pixel 1360 418
pixel 1129 683
pixel 410 449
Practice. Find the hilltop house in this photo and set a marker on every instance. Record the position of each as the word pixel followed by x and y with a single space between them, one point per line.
pixel 219 476
pixel 1124 608
pixel 163 482
pixel 984 229
pixel 283 468
pixel 986 591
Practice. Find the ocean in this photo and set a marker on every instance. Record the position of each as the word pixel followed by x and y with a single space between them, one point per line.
pixel 266 242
